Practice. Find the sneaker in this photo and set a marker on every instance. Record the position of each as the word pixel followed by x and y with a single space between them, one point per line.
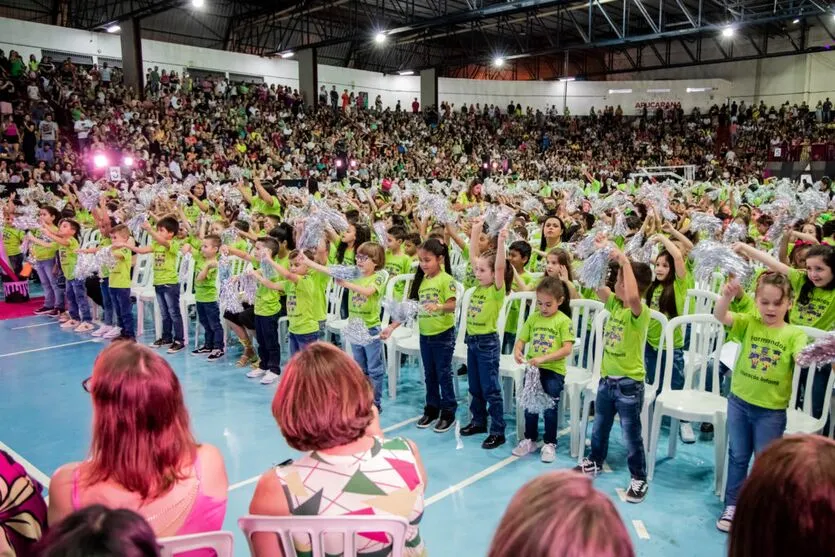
pixel 724 522
pixel 706 427
pixel 269 378
pixel 493 441
pixel 159 343
pixel 256 373
pixel 70 324
pixel 84 328
pixel 425 421
pixel 548 453
pixel 525 447
pixel 63 317
pixel 685 431
pixel 588 467
pixel 41 310
pixel 637 491
pixel 114 332
pixel 202 350
pixel 473 429
pixel 100 331
pixel 215 355
pixel 122 337
pixel 175 347
pixel 462 370
pixel 445 423
pixel 53 313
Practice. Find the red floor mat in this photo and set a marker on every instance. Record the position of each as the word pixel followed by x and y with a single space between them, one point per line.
pixel 13 311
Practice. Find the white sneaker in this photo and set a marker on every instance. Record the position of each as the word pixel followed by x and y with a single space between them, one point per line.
pixel 112 333
pixel 727 518
pixel 84 327
pixel 549 452
pixel 70 324
pixel 525 447
pixel 685 431
pixel 269 378
pixel 101 331
pixel 255 373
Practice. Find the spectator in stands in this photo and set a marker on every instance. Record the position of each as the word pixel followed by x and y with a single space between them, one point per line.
pixel 143 455
pixel 787 504
pixel 415 106
pixel 560 514
pixel 325 407
pixel 334 98
pixel 22 509
pixel 97 530
pixel 48 130
pixel 17 66
pixel 106 75
pixel 44 153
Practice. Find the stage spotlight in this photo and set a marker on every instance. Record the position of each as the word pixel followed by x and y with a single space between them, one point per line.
pixel 113 28
pixel 100 160
pixel 128 161
pixel 498 62
pixel 728 31
pixel 338 163
pixel 353 163
pixel 198 3
pixel 380 38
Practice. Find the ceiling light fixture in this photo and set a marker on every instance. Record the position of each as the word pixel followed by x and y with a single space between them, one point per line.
pixel 498 61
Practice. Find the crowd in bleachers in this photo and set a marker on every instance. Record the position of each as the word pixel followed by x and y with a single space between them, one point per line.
pixel 514 244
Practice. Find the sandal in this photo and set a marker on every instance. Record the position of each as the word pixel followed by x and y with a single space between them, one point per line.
pixel 246 358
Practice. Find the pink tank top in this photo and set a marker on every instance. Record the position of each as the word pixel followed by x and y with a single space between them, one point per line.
pixel 206 514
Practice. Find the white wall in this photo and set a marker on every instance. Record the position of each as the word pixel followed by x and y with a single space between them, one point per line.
pixel 795 78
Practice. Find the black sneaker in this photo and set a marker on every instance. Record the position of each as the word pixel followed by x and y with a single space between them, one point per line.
pixel 588 467
pixel 202 350
pixel 41 310
pixel 706 427
pixel 473 429
pixel 160 342
pixel 426 420
pixel 637 491
pixel 462 370
pixel 493 441
pixel 215 355
pixel 52 313
pixel 175 347
pixel 445 422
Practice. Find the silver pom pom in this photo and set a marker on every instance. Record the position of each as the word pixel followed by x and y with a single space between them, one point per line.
pixel 497 217
pixel 228 297
pixel 533 397
pixel 356 333
pixel 403 312
pixel 247 286
pixel 135 224
pixel 620 228
pixel 105 259
pixel 85 266
pixel 344 272
pixel 710 256
pixel 822 351
pixel 702 222
pixel 26 222
pixel 229 236
pixel 185 260
pixel 595 268
pixel 736 232
pixel 89 195
pixel 381 232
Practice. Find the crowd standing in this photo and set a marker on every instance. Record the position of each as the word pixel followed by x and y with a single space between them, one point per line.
pixel 282 201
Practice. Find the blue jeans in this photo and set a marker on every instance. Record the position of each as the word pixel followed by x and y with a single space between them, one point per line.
pixel 107 303
pixel 269 350
pixel 650 360
pixel 53 296
pixel 168 299
pixel 209 315
pixel 818 391
pixel 552 384
pixel 750 430
pixel 436 353
pixel 484 381
pixel 298 342
pixel 77 300
pixel 370 359
pixel 624 397
pixel 123 310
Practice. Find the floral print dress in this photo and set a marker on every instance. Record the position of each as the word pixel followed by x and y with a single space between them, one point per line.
pixel 22 509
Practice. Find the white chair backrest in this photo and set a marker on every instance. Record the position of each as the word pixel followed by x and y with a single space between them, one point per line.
pixel 334 299
pixel 406 280
pixel 455 256
pixel 583 313
pixel 527 303
pixel 221 542
pixel 90 238
pixel 596 359
pixel 813 335
pixel 462 319
pixel 459 300
pixel 237 265
pixel 337 534
pixel 187 286
pixel 713 284
pixel 144 239
pixel 707 335
pixel 699 301
pixel 143 271
pixel 662 320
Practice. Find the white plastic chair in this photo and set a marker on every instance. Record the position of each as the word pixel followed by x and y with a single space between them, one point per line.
pixel 334 323
pixel 694 402
pixel 508 368
pixel 714 284
pixel 337 533
pixel 221 542
pixel 802 420
pixel 90 238
pixel 142 288
pixel 402 332
pixel 459 356
pixel 589 393
pixel 187 298
pixel 577 375
pixel 699 301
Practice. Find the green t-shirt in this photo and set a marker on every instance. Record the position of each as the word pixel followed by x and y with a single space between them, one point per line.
pixel 84 218
pixel 763 372
pixel 654 331
pixel 545 335
pixel 483 313
pixel 43 253
pixel 513 312
pixel 260 206
pixel 165 263
pixel 120 273
pixel 301 303
pixel 267 301
pixel 205 290
pixel 192 212
pixel 320 301
pixel 624 337
pixel 399 264
pixel 12 238
pixel 68 255
pixel 436 290
pixel 104 272
pixel 367 308
pixel 819 312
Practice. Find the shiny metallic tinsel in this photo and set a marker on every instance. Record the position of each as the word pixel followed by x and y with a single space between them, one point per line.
pixel 533 397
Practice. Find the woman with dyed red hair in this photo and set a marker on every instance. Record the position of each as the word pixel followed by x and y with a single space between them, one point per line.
pixel 143 455
pixel 325 406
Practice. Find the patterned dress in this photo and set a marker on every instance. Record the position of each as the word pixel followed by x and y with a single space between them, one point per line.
pixel 22 509
pixel 383 480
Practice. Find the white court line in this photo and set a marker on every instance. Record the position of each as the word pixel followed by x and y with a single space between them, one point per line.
pixel 45 348
pixel 640 529
pixel 621 493
pixel 254 479
pixel 37 325
pixel 474 478
pixel 606 467
pixel 30 468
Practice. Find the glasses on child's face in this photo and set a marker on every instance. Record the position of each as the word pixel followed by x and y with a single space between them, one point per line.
pixel 86 384
pixel 361 258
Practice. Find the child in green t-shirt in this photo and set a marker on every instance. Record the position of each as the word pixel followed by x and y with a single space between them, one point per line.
pixel 205 296
pixel 550 339
pixel 761 386
pixel 397 262
pixel 622 372
pixel 120 280
pixel 266 309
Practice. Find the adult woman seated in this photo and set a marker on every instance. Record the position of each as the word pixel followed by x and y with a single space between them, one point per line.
pixel 325 406
pixel 143 456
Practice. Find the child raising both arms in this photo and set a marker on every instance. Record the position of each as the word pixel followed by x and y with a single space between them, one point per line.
pixel 761 385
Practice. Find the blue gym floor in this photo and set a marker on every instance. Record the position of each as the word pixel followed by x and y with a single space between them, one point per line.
pixel 46 421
